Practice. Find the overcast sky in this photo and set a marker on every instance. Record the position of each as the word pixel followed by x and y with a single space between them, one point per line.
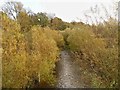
pixel 67 10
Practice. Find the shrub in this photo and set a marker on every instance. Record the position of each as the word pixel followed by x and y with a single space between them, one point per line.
pixel 14 73
pixel 56 35
pixel 109 31
pixel 44 54
pixel 94 54
pixel 27 57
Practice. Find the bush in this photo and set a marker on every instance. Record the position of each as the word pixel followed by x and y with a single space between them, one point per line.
pixel 109 31
pixel 14 55
pixel 56 35
pixel 44 55
pixel 27 57
pixel 94 55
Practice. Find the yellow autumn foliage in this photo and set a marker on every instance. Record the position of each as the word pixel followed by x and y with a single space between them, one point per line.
pixel 94 54
pixel 13 55
pixel 56 35
pixel 26 57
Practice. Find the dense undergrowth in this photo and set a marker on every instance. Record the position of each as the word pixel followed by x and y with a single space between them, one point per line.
pixel 28 58
pixel 97 56
pixel 30 49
